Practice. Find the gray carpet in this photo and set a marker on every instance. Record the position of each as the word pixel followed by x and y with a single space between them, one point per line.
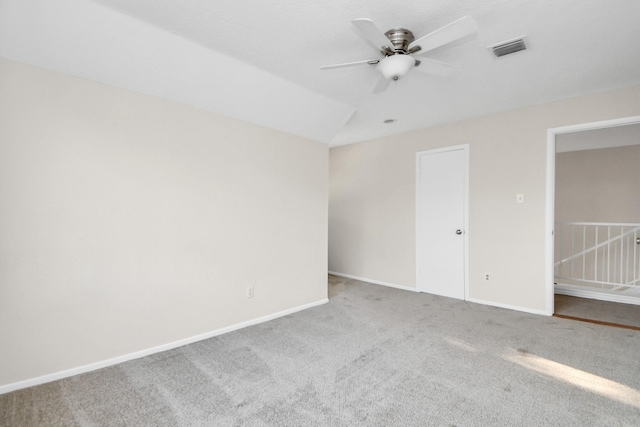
pixel 373 356
pixel 604 311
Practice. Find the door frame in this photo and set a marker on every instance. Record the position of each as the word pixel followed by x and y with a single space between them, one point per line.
pixel 465 234
pixel 551 190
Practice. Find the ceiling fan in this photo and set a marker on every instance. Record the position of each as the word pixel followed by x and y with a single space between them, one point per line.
pixel 399 47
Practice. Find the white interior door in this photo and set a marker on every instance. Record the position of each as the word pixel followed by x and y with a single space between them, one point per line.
pixel 441 221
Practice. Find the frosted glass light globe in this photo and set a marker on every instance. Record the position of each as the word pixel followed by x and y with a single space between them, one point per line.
pixel 395 66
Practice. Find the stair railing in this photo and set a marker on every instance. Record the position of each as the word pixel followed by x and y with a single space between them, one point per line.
pixel 597 253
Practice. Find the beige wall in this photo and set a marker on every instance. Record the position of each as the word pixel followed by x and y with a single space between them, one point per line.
pixel 128 222
pixel 372 197
pixel 599 185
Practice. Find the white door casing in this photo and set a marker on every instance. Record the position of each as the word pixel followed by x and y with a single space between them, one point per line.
pixel 442 221
pixel 550 195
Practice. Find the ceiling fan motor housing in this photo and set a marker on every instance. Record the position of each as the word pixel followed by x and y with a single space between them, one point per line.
pixel 400 38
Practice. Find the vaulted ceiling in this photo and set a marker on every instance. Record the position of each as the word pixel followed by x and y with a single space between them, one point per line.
pixel 259 61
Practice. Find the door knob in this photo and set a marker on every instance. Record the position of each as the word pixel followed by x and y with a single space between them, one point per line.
pixel 458 231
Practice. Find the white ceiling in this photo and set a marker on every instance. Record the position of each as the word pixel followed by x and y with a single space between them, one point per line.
pixel 259 61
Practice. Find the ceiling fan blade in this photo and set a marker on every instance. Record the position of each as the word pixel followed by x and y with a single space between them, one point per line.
pixel 382 85
pixel 437 68
pixel 374 36
pixel 456 30
pixel 350 64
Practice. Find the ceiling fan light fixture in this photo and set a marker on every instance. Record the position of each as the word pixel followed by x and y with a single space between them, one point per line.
pixel 395 66
pixel 397 47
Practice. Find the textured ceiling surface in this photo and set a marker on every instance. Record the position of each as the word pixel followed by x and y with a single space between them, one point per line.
pixel 259 61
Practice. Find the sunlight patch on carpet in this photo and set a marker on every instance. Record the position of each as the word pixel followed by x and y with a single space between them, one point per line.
pixel 593 383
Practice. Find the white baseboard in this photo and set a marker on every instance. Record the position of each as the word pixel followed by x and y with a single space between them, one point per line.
pixel 582 293
pixel 375 282
pixel 510 307
pixel 474 300
pixel 142 353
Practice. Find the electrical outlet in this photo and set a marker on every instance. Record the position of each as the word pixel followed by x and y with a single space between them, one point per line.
pixel 486 276
pixel 249 291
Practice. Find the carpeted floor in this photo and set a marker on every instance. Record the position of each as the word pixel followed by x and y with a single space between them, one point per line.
pixel 604 311
pixel 372 356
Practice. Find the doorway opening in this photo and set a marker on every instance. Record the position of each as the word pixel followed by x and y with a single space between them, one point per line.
pixel 593 213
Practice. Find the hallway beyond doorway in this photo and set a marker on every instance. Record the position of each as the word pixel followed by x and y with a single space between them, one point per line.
pixel 599 311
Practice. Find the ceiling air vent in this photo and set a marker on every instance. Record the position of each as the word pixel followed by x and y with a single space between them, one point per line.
pixel 508 47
